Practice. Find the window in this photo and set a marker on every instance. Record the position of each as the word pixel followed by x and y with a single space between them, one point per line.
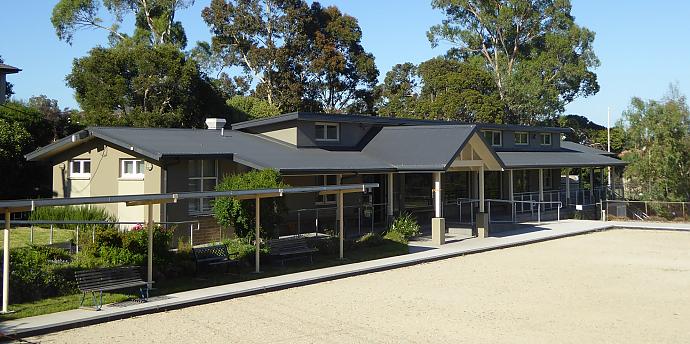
pixel 493 137
pixel 80 168
pixel 521 139
pixel 327 180
pixel 203 176
pixel 327 132
pixel 545 139
pixel 131 169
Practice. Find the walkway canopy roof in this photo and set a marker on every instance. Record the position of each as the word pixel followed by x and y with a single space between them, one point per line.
pixel 570 155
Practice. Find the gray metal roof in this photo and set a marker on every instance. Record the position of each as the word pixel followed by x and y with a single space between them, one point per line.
pixel 327 117
pixel 401 148
pixel 425 148
pixel 514 127
pixel 585 149
pixel 7 69
pixel 556 159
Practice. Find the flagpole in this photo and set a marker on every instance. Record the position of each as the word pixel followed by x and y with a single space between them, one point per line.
pixel 608 139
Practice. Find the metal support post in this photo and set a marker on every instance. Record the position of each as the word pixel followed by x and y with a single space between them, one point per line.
pixel 341 225
pixel 257 241
pixel 149 258
pixel 6 264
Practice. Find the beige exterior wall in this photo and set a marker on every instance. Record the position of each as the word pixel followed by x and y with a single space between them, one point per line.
pixel 105 178
pixel 288 135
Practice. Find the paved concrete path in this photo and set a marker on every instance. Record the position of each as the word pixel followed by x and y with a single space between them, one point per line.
pixel 421 251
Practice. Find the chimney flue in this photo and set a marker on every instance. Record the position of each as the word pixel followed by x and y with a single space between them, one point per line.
pixel 215 123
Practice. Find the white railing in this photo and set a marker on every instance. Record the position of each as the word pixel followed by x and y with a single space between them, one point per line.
pixel 365 214
pixel 532 207
pixel 81 226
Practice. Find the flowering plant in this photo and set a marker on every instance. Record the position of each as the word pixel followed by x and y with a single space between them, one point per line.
pixel 138 227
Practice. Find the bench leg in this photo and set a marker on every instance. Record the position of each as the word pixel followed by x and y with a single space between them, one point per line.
pixel 97 305
pixel 100 304
pixel 144 293
pixel 83 297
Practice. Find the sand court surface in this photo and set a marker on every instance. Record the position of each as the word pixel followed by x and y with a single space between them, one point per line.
pixel 623 286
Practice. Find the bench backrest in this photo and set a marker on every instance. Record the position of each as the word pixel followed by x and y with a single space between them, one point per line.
pixel 287 245
pixel 89 279
pixel 210 252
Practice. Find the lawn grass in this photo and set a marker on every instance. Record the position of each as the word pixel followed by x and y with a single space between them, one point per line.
pixel 21 236
pixel 214 278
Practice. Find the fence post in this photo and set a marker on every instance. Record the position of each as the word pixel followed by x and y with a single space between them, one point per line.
pixel 558 212
pixel 93 234
pixel 488 208
pixel 317 221
pixel 191 234
pixel 459 211
pixel 31 234
pixel 539 214
pixel 77 249
pixel 299 222
pixel 51 234
pixel 683 205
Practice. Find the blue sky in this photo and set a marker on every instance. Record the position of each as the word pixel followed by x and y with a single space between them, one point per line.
pixel 643 46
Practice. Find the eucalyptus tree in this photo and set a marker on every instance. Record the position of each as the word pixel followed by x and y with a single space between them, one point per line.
pixel 255 35
pixel 539 58
pixel 657 134
pixel 300 57
pixel 154 19
pixel 341 72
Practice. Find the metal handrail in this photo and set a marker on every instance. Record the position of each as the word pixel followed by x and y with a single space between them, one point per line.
pixel 321 209
pixel 32 223
pixel 460 201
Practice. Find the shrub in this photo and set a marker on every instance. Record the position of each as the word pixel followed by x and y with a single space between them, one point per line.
pixel 240 214
pixel 72 213
pixel 395 236
pixel 370 240
pixel 136 241
pixel 34 276
pixel 243 249
pixel 406 225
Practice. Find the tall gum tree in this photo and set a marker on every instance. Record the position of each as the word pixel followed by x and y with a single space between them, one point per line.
pixel 540 59
pixel 154 19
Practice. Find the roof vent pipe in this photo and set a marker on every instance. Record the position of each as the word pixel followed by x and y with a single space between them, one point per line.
pixel 216 124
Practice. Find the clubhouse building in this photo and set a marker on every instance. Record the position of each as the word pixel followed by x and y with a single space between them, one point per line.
pixel 463 173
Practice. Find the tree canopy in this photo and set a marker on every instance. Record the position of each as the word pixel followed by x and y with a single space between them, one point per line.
pixel 302 57
pixel 154 19
pixel 441 88
pixel 136 84
pixel 538 57
pixel 658 138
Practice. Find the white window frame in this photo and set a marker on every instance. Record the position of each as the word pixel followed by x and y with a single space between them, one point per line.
pixel 80 174
pixel 323 181
pixel 493 137
pixel 541 139
pixel 325 126
pixel 132 176
pixel 201 178
pixel 521 133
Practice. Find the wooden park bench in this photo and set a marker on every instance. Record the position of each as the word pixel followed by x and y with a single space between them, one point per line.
pixel 290 248
pixel 213 256
pixel 109 279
